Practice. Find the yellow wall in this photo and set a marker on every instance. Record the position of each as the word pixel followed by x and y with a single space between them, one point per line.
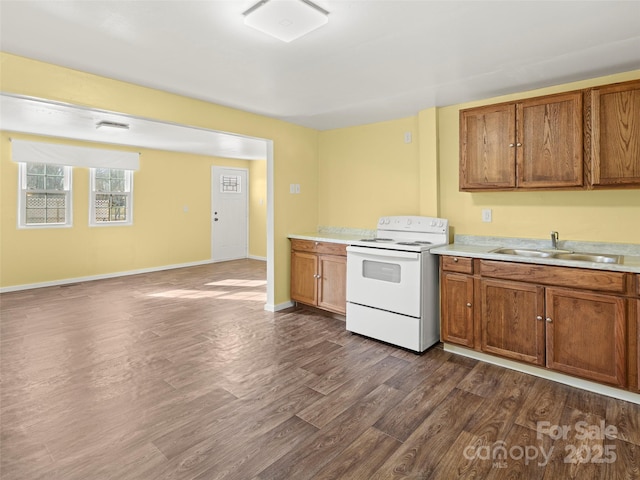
pixel 258 208
pixel 368 171
pixel 604 215
pixel 295 161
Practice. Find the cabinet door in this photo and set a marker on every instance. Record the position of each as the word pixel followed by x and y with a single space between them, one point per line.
pixel 304 283
pixel 512 320
pixel 457 309
pixel 615 134
pixel 487 147
pixel 586 335
pixel 332 288
pixel 550 144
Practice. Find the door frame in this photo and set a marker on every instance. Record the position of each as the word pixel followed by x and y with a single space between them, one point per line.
pixel 246 213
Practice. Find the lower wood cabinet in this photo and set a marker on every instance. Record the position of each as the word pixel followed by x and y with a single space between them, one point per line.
pixel 319 274
pixel 586 335
pixel 457 309
pixel 553 319
pixel 512 320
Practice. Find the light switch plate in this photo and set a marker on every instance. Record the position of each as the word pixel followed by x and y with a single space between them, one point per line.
pixel 486 215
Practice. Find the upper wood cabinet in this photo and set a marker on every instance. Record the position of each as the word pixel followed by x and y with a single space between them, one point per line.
pixel 612 114
pixel 586 139
pixel 534 143
pixel 487 147
pixel 549 142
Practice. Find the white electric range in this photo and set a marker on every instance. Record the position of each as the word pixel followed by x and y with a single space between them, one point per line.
pixel 392 282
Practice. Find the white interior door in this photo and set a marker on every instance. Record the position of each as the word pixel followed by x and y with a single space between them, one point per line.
pixel 230 215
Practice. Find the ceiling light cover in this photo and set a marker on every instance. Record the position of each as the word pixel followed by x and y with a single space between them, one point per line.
pixel 286 20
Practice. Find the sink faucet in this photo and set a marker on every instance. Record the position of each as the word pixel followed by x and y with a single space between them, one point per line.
pixel 554 240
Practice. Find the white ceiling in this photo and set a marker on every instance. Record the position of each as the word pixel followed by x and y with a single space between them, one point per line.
pixel 373 61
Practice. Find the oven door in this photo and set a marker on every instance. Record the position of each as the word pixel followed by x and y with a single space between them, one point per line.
pixel 384 279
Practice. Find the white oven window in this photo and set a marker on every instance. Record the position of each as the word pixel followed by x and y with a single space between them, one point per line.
pixel 386 272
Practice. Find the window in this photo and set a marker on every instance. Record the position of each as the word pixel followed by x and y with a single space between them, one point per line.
pixel 111 197
pixel 45 195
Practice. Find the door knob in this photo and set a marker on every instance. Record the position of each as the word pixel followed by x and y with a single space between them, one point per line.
pixel 215 219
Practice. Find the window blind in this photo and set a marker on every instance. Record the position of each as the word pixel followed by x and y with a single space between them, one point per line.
pixel 24 151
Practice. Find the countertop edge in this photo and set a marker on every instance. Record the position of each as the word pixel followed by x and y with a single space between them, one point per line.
pixel 484 252
pixel 342 238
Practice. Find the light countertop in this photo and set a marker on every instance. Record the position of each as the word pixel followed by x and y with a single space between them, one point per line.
pixel 481 247
pixel 335 235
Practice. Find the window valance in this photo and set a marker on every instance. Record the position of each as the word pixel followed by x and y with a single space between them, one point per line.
pixel 57 154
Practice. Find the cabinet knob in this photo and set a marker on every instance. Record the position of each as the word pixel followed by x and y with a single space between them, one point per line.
pixel 548 319
pixel 317 243
pixel 455 260
pixel 469 305
pixel 538 317
pixel 518 144
pixel 511 145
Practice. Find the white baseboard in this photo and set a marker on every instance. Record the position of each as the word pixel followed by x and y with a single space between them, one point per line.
pixel 67 281
pixel 255 257
pixel 276 308
pixel 548 374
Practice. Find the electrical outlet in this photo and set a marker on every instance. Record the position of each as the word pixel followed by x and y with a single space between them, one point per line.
pixel 486 215
pixel 407 137
pixel 297 188
pixel 292 188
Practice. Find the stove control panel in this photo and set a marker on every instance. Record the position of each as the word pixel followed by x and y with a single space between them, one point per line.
pixel 410 223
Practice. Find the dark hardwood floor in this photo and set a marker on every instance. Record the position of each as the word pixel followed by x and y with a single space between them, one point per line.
pixel 182 375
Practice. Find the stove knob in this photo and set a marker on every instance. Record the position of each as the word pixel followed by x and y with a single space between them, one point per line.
pixel 408 221
pixel 381 221
pixel 433 223
pixel 387 221
pixel 440 223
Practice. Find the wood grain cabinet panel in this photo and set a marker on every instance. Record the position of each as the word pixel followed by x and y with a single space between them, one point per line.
pixel 319 274
pixel 304 284
pixel 512 320
pixel 487 147
pixel 550 142
pixel 332 281
pixel 457 264
pixel 534 143
pixel 585 335
pixel 457 309
pixel 614 133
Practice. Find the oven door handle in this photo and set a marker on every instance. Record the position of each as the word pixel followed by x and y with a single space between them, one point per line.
pixel 381 252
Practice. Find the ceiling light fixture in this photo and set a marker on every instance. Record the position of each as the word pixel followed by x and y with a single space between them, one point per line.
pixel 286 20
pixel 105 123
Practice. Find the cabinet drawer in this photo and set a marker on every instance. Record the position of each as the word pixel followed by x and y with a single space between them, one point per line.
pixel 312 246
pixel 331 248
pixel 457 264
pixel 303 245
pixel 638 285
pixel 600 280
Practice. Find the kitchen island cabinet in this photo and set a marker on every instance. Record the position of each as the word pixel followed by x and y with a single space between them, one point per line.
pixel 319 274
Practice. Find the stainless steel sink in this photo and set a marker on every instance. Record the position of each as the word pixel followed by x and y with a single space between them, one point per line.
pixel 560 255
pixel 523 252
pixel 588 257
